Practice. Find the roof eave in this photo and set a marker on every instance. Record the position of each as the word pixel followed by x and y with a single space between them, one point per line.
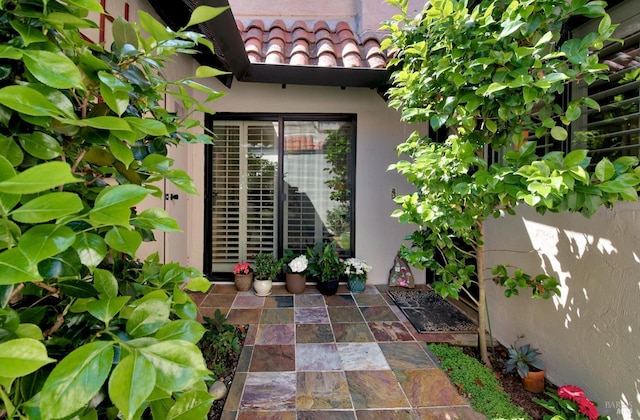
pixel 316 76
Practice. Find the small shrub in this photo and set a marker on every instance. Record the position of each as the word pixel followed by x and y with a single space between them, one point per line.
pixel 477 383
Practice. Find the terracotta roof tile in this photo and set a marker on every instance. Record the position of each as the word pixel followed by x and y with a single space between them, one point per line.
pixel 299 45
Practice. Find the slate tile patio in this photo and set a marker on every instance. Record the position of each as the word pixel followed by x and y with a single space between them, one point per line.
pixel 349 356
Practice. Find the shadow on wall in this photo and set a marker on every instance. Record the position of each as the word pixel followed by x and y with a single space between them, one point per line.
pixel 592 339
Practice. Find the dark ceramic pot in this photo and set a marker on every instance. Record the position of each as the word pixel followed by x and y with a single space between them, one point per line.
pixel 329 287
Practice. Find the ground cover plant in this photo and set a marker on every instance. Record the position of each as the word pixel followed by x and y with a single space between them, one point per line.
pixel 488 78
pixel 477 383
pixel 86 329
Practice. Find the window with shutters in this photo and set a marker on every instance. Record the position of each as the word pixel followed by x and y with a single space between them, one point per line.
pixel 614 130
pixel 275 183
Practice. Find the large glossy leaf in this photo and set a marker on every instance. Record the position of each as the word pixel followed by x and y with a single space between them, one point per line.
pixel 106 309
pixel 199 284
pixel 44 241
pixel 7 201
pixel 28 101
pixel 182 180
pixel 123 240
pixel 41 145
pixel 48 207
pixel 156 29
pixel 22 356
pixel 181 329
pixel 76 379
pixel 9 234
pixel 16 268
pixel 148 126
pixel 11 150
pixel 39 178
pixel 179 364
pixel 53 69
pixel 91 248
pixel 103 123
pixel 191 405
pixel 78 288
pixel 148 317
pixel 112 206
pixel 124 33
pixel 155 218
pixel 91 5
pixel 121 151
pixel 203 14
pixel 105 282
pixel 64 265
pixel 131 382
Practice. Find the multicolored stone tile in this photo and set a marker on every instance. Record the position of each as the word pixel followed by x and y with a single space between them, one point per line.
pixel 340 300
pixel 270 391
pixel 278 302
pixel 273 358
pixel 220 301
pixel 235 392
pixel 244 316
pixel 314 333
pixel 245 358
pixel 390 331
pixel 398 414
pixel 326 415
pixel 352 332
pixel 223 289
pixel 277 316
pixel 317 357
pixel 375 389
pixel 378 313
pixel 266 415
pixel 362 356
pixel 369 299
pixel 311 315
pixel 428 388
pixel 322 390
pixel 248 301
pixel 405 355
pixel 345 314
pixel 306 300
pixel 276 334
pixel 449 413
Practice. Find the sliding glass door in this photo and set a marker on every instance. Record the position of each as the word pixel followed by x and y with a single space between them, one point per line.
pixel 278 183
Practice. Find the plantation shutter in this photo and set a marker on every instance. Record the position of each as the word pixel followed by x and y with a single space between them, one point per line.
pixel 614 130
pixel 244 168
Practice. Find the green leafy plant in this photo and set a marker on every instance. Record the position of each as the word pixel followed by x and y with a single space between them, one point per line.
pixel 486 78
pixel 219 342
pixel 478 383
pixel 569 402
pixel 267 266
pixel 521 358
pixel 86 329
pixel 325 262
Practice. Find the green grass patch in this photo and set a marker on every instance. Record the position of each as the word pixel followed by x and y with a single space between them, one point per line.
pixel 477 383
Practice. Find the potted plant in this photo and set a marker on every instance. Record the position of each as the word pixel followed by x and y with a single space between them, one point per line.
pixel 267 268
pixel 295 271
pixel 243 276
pixel 357 271
pixel 524 359
pixel 326 266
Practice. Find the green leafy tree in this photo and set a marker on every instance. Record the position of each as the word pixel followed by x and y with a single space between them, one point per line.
pixel 489 76
pixel 86 329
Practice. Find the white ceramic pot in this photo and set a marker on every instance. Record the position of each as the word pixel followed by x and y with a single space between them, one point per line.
pixel 262 287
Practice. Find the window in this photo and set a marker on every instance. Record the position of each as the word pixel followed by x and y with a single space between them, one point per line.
pixel 275 183
pixel 614 131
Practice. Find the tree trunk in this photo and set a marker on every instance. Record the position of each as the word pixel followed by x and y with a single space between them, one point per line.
pixel 482 306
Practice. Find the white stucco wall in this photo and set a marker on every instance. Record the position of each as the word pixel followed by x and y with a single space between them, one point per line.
pixel 378 236
pixel 589 336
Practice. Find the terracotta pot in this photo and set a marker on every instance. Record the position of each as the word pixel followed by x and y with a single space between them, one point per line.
pixel 295 282
pixel 329 287
pixel 262 287
pixel 243 281
pixel 534 381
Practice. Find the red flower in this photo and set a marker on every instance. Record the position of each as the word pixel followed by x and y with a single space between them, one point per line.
pixel 587 408
pixel 571 392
